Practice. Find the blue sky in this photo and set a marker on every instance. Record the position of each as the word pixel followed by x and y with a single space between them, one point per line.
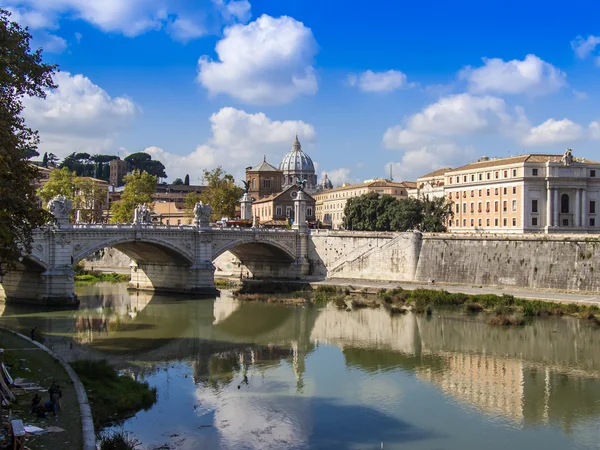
pixel 223 82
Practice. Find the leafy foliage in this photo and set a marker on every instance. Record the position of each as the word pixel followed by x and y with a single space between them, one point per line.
pixel 86 165
pixel 221 194
pixel 143 162
pixel 88 197
pixel 374 212
pixel 139 187
pixel 22 73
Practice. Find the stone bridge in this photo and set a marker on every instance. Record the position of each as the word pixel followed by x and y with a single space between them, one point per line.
pixel 164 258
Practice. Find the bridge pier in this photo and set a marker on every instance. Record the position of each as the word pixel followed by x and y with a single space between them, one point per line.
pixel 51 287
pixel 176 278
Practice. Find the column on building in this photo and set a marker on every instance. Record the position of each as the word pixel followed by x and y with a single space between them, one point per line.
pixel 584 222
pixel 577 209
pixel 555 207
pixel 548 206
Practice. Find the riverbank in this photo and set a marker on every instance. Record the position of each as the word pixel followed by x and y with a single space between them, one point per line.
pixel 42 368
pixel 96 277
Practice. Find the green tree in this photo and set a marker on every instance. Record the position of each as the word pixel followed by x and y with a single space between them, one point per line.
pixel 45 160
pixel 436 213
pixel 221 193
pixel 143 162
pixel 187 180
pixel 90 199
pixel 190 201
pixel 87 195
pixel 177 182
pixel 138 190
pixel 61 182
pixel 22 73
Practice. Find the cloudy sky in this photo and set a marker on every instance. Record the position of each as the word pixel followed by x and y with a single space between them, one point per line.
pixel 420 85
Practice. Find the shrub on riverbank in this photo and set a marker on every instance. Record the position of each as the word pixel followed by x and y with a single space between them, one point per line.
pixel 112 397
pixel 95 277
pixel 504 320
pixel 118 440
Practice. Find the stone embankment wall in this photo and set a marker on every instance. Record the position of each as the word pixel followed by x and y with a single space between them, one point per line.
pixel 538 262
pixel 567 262
pixel 107 258
pixel 364 255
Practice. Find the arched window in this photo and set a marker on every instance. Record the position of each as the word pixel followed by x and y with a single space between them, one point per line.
pixel 564 204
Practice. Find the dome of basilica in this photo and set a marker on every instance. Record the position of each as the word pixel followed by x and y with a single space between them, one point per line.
pixel 297 164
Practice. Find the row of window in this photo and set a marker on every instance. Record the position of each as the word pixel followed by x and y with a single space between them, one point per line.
pixel 487 207
pixel 480 222
pixel 488 176
pixel 480 192
pixel 564 205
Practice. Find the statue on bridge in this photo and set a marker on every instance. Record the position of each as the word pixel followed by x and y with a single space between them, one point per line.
pixel 246 186
pixel 142 215
pixel 60 207
pixel 202 214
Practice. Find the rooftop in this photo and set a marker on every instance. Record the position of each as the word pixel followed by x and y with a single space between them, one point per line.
pixel 531 158
pixel 264 167
pixel 436 173
pixel 372 183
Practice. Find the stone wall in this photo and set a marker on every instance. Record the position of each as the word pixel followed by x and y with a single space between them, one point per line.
pixel 539 262
pixel 107 258
pixel 364 255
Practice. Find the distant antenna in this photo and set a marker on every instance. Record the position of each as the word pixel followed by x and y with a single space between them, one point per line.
pixel 391 177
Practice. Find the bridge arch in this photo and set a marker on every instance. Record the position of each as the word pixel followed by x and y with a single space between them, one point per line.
pixel 139 249
pixel 256 250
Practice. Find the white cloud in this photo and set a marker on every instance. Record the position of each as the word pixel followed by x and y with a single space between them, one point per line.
pixel 234 10
pixel 338 176
pixel 268 61
pixel 133 17
pixel 370 81
pixel 418 162
pixel 594 129
pixel 77 116
pixel 78 37
pixel 239 139
pixel 553 132
pixel 51 42
pixel 459 114
pixel 530 76
pixel 584 47
pixel 183 29
pixel 398 137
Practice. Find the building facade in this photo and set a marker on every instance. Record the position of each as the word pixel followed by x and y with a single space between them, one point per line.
pixel 263 180
pixel 277 208
pixel 525 194
pixel 430 185
pixel 330 204
pixel 118 170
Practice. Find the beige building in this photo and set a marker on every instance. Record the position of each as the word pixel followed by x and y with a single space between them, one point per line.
pixel 430 185
pixel 527 193
pixel 330 204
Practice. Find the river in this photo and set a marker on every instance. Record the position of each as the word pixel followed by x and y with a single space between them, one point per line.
pixel 238 375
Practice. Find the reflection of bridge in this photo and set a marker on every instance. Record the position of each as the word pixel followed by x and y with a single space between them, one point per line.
pixel 171 259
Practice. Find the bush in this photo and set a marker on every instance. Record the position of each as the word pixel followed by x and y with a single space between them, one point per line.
pixel 325 289
pixel 118 440
pixel 503 320
pixel 112 397
pixel 473 307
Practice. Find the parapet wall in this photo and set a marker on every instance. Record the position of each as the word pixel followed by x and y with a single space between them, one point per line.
pixel 538 262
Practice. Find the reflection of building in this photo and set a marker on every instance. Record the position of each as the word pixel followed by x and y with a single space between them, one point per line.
pixel 494 385
pixel 330 204
pixel 528 193
pixel 366 328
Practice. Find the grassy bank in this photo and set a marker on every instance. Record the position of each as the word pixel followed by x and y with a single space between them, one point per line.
pixel 507 309
pixel 41 369
pixel 112 397
pixel 95 277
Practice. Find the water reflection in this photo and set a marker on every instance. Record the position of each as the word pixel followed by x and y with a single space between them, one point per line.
pixel 270 376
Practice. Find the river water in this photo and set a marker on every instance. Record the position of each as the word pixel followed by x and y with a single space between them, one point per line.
pixel 238 375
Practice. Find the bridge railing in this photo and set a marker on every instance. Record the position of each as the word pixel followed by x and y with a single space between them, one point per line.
pixel 186 227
